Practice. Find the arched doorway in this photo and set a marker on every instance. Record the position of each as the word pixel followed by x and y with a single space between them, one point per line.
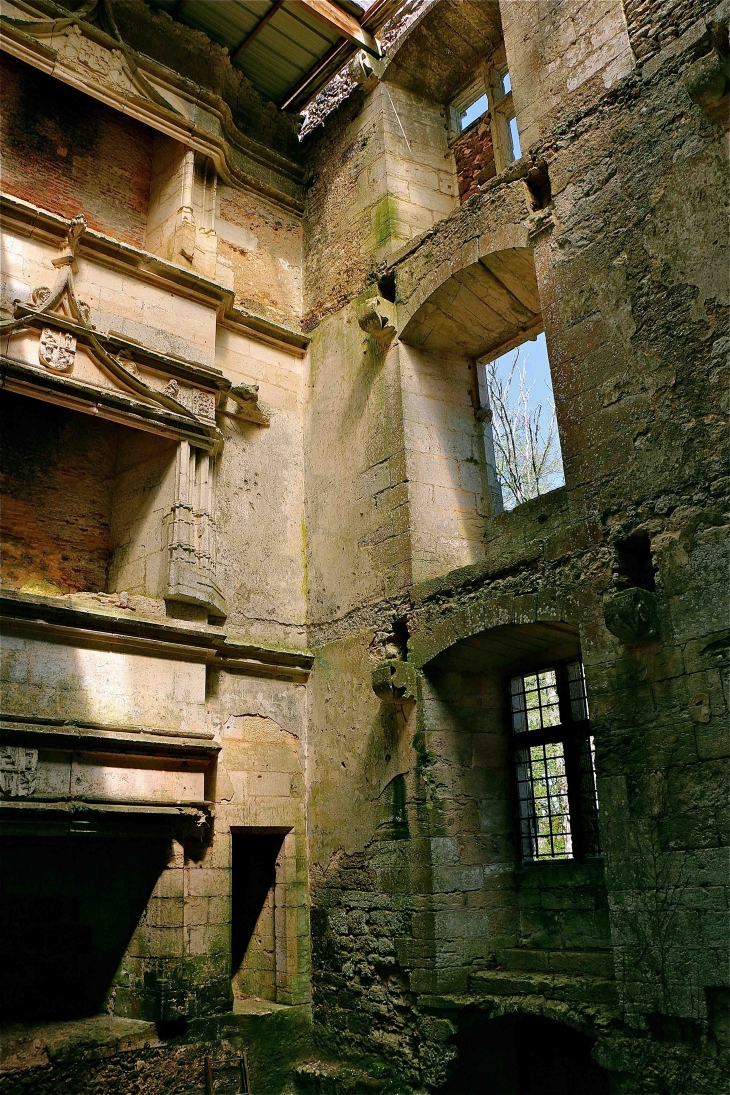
pixel 523 1055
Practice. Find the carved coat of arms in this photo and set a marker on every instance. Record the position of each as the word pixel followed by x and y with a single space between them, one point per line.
pixel 57 350
pixel 17 771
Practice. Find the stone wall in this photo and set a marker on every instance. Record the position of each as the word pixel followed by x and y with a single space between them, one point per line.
pixel 71 154
pixel 474 155
pixel 652 27
pixel 57 482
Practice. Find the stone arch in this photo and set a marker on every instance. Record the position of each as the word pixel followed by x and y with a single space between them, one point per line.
pixel 433 635
pixel 484 299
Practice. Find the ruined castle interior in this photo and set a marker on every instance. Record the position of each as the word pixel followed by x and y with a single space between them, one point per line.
pixel 328 765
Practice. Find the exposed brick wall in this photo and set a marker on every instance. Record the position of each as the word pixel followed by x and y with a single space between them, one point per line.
pixel 56 469
pixel 67 153
pixel 474 155
pixel 653 24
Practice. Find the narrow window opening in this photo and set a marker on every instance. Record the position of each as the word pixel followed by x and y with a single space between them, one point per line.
pixel 253 929
pixel 515 138
pixel 521 442
pixel 539 186
pixel 555 764
pixel 635 562
pixel 386 287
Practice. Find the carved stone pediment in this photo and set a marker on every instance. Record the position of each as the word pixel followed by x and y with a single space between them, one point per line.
pixel 54 335
pixel 82 50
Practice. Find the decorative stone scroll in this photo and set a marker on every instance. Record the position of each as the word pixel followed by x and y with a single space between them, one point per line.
pixel 18 770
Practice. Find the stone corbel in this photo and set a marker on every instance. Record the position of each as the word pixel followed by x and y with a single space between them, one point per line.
pixel 362 70
pixel 377 317
pixel 246 398
pixel 631 615
pixel 395 681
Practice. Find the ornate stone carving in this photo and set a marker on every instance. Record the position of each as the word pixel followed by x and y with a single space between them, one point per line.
pixel 78 52
pixel 40 296
pixel 57 350
pixel 203 404
pixel 631 614
pixel 17 771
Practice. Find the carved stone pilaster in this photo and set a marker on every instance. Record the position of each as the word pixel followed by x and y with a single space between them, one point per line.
pixel 192 533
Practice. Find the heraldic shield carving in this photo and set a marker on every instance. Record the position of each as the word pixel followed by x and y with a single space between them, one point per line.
pixel 17 771
pixel 57 350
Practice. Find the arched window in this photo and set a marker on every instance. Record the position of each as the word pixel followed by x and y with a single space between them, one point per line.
pixel 554 763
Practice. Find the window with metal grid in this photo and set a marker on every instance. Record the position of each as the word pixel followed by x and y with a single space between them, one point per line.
pixel 554 763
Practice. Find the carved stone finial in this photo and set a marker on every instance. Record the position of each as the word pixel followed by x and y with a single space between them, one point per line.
pixel 76 229
pixel 631 614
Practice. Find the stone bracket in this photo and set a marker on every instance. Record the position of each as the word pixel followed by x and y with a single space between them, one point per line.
pixel 395 681
pixel 376 317
pixel 246 397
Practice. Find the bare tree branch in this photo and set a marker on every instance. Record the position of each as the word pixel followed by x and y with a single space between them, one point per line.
pixel 527 453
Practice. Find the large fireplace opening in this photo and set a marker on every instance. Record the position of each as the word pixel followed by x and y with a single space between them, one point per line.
pixel 523 1055
pixel 69 907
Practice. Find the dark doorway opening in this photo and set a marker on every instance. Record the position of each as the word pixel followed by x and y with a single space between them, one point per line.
pixel 253 942
pixel 524 1055
pixel 68 907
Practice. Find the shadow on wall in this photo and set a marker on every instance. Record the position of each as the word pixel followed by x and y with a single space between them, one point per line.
pixel 69 907
pixel 523 1055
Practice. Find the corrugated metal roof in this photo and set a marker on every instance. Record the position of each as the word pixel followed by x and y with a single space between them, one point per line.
pixel 279 44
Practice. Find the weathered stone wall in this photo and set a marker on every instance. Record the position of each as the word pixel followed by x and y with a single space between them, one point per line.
pixel 653 27
pixel 57 481
pixel 56 140
pixel 401 908
pixel 383 173
pixel 555 49
pixel 263 246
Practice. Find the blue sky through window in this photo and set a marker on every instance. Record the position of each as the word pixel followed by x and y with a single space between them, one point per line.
pixel 477 108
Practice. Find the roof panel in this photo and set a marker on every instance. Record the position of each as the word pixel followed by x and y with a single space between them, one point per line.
pixel 289 46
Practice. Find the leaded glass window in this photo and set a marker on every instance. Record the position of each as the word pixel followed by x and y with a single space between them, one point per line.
pixel 554 762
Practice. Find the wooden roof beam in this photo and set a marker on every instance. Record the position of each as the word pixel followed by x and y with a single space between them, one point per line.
pixel 337 19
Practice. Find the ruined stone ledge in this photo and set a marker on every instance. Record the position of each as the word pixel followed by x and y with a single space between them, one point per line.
pixel 45 615
pixel 28 1046
pixel 141 740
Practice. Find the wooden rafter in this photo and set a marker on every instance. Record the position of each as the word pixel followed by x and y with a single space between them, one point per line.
pixel 337 19
pixel 256 30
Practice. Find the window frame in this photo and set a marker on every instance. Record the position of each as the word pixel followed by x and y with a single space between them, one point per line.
pixel 499 113
pixel 577 743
